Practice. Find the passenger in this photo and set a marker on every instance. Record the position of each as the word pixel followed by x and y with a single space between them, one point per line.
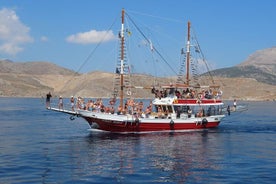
pixel 102 108
pixel 141 106
pixel 107 110
pixel 219 94
pixel 98 107
pixel 158 94
pixel 139 113
pixel 200 113
pixel 192 94
pixel 79 103
pixel 72 101
pixel 178 112
pixel 83 106
pixel 189 112
pixel 89 105
pixel 124 111
pixel 135 107
pixel 209 111
pixel 48 99
pixel 129 106
pixel 228 110
pixel 112 101
pixel 166 114
pixel 119 110
pixel 112 111
pixel 159 112
pixel 165 93
pixel 148 111
pixel 153 91
pixel 177 94
pixel 60 103
pixel 161 94
pixel 172 90
pixel 235 104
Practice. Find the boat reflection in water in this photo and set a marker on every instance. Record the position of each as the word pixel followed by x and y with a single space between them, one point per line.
pixel 180 157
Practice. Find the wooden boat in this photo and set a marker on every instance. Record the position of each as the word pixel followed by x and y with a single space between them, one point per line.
pixel 177 106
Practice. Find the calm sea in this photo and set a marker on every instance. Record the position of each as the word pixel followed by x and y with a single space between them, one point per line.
pixel 40 146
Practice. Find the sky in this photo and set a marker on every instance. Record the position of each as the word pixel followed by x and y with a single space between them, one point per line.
pixel 81 34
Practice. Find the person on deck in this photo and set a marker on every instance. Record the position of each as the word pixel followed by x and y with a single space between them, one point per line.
pixel 148 111
pixel 235 104
pixel 178 112
pixel 119 110
pixel 189 112
pixel 48 99
pixel 159 112
pixel 72 101
pixel 60 103
pixel 228 110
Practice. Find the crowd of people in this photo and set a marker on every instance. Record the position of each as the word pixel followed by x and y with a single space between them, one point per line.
pixel 187 93
pixel 135 107
pixel 130 107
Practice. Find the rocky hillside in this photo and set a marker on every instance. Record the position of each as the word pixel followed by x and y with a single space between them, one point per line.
pixel 253 79
pixel 33 68
pixel 261 66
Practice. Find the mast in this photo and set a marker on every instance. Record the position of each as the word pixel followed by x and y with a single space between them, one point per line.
pixel 122 61
pixel 188 55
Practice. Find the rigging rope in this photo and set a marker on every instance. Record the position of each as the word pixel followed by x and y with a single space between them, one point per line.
pixel 203 57
pixel 89 55
pixel 149 42
pixel 154 16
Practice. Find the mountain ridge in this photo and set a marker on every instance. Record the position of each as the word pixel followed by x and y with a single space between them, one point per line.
pixel 261 65
pixel 250 80
pixel 33 67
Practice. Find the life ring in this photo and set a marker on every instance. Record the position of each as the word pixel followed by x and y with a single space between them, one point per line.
pixel 204 121
pixel 171 122
pixel 72 118
pixel 128 92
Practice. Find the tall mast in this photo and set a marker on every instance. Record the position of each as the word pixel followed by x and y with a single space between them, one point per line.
pixel 122 61
pixel 188 55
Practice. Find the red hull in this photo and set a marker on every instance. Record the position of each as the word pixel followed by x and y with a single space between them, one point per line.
pixel 112 126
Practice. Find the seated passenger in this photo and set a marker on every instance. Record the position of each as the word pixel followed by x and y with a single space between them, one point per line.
pixel 119 110
pixel 148 111
pixel 159 113
pixel 189 113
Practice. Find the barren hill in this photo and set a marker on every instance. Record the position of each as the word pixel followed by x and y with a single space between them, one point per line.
pixel 261 66
pixel 33 68
pixel 254 79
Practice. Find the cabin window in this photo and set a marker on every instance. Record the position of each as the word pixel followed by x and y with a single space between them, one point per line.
pixel 170 109
pixel 183 109
pixel 164 108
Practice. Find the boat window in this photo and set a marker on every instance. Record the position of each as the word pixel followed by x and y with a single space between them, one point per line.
pixel 157 107
pixel 164 108
pixel 170 109
pixel 181 108
pixel 213 110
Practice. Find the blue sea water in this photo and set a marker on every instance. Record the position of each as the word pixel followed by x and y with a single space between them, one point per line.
pixel 41 146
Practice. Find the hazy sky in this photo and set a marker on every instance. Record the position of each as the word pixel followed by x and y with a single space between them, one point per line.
pixel 65 32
